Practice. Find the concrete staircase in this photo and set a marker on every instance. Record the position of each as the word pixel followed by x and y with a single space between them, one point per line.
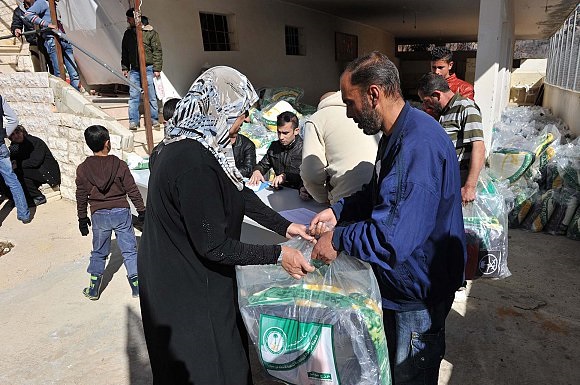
pixel 117 107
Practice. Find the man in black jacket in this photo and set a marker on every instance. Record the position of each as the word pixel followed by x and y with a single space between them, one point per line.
pixel 284 156
pixel 244 154
pixel 38 54
pixel 35 164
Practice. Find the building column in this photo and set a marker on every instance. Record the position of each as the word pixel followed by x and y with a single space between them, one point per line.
pixel 495 45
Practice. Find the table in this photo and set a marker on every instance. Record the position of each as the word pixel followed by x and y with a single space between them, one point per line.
pixel 280 200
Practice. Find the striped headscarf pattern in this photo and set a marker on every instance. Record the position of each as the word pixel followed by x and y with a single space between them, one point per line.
pixel 208 111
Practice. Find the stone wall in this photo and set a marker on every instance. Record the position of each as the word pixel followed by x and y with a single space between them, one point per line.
pixel 52 110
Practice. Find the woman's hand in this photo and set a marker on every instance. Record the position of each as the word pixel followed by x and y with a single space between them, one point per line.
pixel 294 263
pixel 323 221
pixel 298 230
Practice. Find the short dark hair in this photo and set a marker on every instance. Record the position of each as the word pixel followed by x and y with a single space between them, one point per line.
pixel 287 117
pixel 431 82
pixel 441 53
pixel 20 128
pixel 130 12
pixel 96 136
pixel 375 68
pixel 169 108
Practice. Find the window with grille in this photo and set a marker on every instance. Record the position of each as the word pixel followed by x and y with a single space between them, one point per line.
pixel 217 32
pixel 563 56
pixel 294 40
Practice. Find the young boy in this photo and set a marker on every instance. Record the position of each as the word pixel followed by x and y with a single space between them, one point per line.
pixel 104 181
pixel 168 110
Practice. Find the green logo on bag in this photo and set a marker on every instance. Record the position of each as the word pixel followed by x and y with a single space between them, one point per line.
pixel 285 343
pixel 319 376
pixel 275 340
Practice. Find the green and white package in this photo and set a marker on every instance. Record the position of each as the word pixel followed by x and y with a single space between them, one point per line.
pixel 324 329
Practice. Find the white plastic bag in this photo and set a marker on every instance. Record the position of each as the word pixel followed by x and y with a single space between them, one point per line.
pixel 164 89
pixel 326 328
pixel 486 232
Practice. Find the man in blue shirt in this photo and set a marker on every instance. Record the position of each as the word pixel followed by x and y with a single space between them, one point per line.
pixel 406 222
pixel 39 13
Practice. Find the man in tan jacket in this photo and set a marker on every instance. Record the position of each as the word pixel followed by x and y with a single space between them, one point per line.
pixel 329 173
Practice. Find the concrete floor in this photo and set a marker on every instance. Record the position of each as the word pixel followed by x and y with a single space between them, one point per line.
pixel 521 330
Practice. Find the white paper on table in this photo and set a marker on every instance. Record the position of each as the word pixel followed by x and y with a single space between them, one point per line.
pixel 300 215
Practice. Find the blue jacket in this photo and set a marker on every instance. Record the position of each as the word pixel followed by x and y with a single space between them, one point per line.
pixel 407 222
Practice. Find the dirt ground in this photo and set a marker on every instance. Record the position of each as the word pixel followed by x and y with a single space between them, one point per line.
pixel 520 330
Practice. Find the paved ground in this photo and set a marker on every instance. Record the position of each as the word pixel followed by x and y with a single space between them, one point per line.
pixel 521 330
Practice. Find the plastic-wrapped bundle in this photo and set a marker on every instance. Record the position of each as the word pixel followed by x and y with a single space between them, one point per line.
pixel 485 222
pixel 574 226
pixel 272 95
pixel 568 162
pixel 326 328
pixel 541 212
pixel 566 202
pixel 524 193
pixel 270 113
pixel 258 134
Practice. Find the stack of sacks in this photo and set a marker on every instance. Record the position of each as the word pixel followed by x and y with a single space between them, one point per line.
pixel 542 174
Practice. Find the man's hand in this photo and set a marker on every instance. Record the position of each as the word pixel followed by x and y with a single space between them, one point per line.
pixel 84 224
pixel 298 230
pixel 125 73
pixel 17 32
pixel 323 221
pixel 156 73
pixel 294 263
pixel 278 180
pixel 256 178
pixel 141 217
pixel 323 250
pixel 52 26
pixel 467 194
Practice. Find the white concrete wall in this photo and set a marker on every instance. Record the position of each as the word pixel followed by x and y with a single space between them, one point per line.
pixel 494 61
pixel 52 110
pixel 564 104
pixel 259 27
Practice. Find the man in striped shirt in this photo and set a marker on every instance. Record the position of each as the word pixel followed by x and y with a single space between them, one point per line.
pixel 461 119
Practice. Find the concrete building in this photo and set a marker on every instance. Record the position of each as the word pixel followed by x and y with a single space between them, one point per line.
pixel 306 43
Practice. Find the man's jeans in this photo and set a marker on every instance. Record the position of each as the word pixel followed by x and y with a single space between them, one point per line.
pixel 416 342
pixel 12 182
pixel 68 58
pixel 104 221
pixel 135 96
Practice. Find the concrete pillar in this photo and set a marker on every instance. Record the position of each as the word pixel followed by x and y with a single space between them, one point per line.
pixel 495 44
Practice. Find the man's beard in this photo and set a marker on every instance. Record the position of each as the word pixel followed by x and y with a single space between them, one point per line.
pixel 369 120
pixel 437 108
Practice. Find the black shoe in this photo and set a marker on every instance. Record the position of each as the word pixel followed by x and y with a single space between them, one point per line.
pixel 134 283
pixel 39 200
pixel 92 292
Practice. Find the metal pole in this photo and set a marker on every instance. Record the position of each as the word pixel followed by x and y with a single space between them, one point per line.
pixel 571 55
pixel 143 72
pixel 567 55
pixel 98 61
pixel 53 15
pixel 550 61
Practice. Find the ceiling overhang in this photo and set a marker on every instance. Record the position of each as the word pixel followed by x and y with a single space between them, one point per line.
pixel 412 21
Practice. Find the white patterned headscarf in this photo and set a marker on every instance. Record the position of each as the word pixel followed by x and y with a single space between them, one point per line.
pixel 208 111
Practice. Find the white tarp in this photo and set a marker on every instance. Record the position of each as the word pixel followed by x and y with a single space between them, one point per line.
pixel 98 27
